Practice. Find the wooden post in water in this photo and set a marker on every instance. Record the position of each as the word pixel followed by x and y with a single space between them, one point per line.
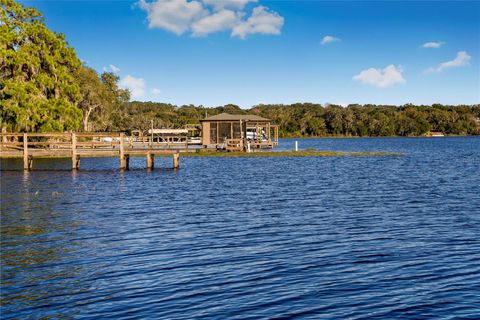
pixel 150 161
pixel 124 159
pixel 4 137
pixel 151 141
pixel 75 157
pixel 176 160
pixel 27 161
pixel 127 162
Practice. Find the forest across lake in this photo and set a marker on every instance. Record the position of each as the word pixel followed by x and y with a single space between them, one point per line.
pixel 312 119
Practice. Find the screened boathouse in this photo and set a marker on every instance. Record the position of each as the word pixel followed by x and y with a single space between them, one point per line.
pixel 237 132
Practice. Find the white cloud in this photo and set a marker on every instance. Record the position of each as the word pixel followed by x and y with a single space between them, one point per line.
pixel 230 4
pixel 135 85
pixel 261 21
pixel 433 44
pixel 329 39
pixel 218 21
pixel 389 76
pixel 114 68
pixel 462 59
pixel 173 15
pixel 208 16
pixel 156 91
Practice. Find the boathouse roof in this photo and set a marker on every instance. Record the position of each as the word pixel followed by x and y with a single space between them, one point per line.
pixel 167 131
pixel 235 117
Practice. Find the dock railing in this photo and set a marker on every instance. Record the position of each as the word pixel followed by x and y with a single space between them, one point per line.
pixel 76 145
pixel 234 144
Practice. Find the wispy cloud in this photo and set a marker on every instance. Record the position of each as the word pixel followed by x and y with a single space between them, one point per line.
pixel 173 15
pixel 156 91
pixel 262 20
pixel 218 21
pixel 135 85
pixel 114 68
pixel 329 39
pixel 385 77
pixel 462 59
pixel 230 4
pixel 111 68
pixel 208 16
pixel 433 44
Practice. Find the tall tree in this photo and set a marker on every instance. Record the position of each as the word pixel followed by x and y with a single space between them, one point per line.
pixel 114 98
pixel 38 89
pixel 93 94
pixel 100 97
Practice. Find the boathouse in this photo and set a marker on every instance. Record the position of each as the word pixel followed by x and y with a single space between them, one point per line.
pixel 237 132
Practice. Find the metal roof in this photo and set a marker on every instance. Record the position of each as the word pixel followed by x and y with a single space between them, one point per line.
pixel 235 117
pixel 166 131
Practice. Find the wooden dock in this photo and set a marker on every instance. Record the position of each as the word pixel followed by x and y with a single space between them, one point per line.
pixel 29 146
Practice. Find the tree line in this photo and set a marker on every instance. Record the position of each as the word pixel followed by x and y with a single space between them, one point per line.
pixel 45 87
pixel 373 120
pixel 315 120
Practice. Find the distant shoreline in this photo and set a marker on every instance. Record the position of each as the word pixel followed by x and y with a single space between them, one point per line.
pixel 357 137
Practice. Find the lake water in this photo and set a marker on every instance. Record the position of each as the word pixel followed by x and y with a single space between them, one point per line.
pixel 249 238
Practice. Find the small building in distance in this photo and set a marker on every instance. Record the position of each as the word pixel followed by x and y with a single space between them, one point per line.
pixel 164 135
pixel 236 132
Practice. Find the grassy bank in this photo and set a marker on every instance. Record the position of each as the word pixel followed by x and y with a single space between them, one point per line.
pixel 301 153
pixel 373 137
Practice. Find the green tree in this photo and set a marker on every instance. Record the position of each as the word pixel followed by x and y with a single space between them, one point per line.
pixel 38 88
pixel 334 119
pixel 117 96
pixel 94 94
pixel 101 99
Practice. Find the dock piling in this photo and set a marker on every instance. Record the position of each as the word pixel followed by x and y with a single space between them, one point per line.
pixel 124 159
pixel 150 161
pixel 176 160
pixel 75 157
pixel 76 162
pixel 125 162
pixel 26 159
pixel 28 165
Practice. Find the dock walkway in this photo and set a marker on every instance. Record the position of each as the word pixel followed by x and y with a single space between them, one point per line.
pixel 28 146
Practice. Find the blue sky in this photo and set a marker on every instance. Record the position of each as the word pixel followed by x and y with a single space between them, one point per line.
pixel 245 52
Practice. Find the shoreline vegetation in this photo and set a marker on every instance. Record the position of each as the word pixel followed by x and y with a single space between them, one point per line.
pixel 290 153
pixel 44 87
pixel 358 137
pixel 313 120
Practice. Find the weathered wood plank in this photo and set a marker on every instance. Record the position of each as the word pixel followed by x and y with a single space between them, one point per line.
pixel 26 163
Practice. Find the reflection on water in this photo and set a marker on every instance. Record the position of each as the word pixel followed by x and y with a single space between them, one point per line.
pixel 347 237
pixel 33 225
